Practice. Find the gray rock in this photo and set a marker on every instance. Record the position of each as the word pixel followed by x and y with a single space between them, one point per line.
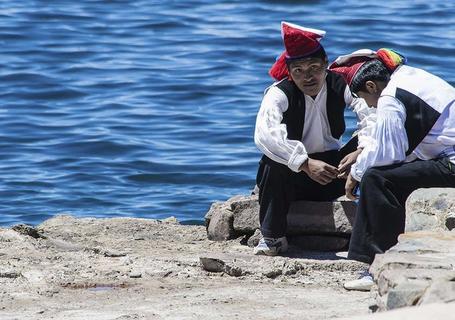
pixel 220 227
pixel 135 274
pixel 418 270
pixel 427 242
pixel 246 214
pixel 212 264
pixel 27 230
pixel 421 221
pixel 435 202
pixel 114 253
pixel 406 294
pixel 311 217
pixel 391 278
pixel 442 290
pixel 220 206
pixel 10 274
pixel 215 207
pixel 233 270
pixel 240 216
pixel 450 221
pixel 254 239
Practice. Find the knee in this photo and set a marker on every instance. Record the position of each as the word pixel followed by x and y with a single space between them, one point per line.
pixel 273 176
pixel 371 173
pixel 370 178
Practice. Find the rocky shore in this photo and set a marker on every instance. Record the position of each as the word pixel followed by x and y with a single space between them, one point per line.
pixel 122 268
pixel 126 268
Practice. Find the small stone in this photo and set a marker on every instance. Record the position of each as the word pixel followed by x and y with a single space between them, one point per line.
pixel 272 274
pixel 9 274
pixel 234 271
pixel 212 264
pixel 114 254
pixel 170 220
pixel 27 230
pixel 135 274
pixel 450 221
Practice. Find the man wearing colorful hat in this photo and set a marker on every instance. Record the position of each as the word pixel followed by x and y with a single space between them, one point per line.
pixel 299 128
pixel 412 145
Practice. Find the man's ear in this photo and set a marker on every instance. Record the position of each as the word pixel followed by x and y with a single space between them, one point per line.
pixel 371 87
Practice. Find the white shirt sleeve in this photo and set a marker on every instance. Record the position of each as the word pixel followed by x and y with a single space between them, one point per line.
pixel 366 117
pixel 389 141
pixel 270 134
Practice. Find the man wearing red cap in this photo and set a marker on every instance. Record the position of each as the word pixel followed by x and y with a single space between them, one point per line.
pixel 299 128
pixel 411 146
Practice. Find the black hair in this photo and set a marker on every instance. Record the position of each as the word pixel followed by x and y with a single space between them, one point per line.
pixel 373 70
pixel 318 54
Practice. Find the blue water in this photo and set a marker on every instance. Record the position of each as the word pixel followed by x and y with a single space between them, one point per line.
pixel 147 108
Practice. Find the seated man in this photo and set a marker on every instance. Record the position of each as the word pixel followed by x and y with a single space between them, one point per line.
pixel 412 146
pixel 299 128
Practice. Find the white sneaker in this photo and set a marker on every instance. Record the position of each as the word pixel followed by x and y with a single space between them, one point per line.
pixel 364 283
pixel 271 246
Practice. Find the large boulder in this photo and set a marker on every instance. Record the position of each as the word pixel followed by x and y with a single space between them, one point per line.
pixel 312 225
pixel 420 269
pixel 329 217
pixel 235 217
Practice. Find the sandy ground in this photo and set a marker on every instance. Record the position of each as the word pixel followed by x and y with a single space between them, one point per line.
pixel 146 269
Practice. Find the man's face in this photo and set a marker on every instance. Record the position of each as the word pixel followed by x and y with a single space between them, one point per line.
pixel 370 98
pixel 371 92
pixel 308 75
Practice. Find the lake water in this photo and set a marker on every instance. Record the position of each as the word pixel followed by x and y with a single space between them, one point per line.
pixel 147 108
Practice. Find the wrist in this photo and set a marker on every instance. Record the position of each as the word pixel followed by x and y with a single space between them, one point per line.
pixel 304 166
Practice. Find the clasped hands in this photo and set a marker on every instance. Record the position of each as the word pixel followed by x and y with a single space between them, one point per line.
pixel 324 173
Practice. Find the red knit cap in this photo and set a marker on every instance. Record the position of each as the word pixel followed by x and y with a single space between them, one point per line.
pixel 299 42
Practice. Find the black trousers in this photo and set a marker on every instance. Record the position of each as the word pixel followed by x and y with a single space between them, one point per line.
pixel 279 185
pixel 380 214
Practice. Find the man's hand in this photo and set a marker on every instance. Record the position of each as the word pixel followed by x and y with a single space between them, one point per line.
pixel 347 162
pixel 349 187
pixel 321 172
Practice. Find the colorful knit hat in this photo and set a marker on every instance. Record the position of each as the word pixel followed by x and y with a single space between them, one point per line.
pixel 300 42
pixel 349 65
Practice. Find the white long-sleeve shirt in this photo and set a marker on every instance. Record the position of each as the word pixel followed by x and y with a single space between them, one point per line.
pixel 389 142
pixel 271 135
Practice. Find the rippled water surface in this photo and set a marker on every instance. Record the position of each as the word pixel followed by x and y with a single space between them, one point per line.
pixel 147 108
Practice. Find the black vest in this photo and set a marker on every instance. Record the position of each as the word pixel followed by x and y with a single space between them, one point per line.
pixel 420 118
pixel 294 116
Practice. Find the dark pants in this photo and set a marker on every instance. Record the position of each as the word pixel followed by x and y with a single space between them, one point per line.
pixel 279 185
pixel 380 215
